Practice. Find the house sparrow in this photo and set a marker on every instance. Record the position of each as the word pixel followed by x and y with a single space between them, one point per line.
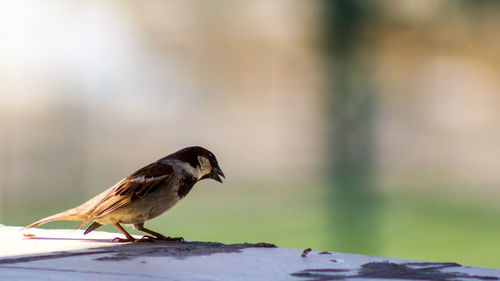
pixel 145 194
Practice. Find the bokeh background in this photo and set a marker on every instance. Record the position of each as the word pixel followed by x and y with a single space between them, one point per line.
pixel 356 126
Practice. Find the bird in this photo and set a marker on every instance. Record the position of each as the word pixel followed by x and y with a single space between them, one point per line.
pixel 145 194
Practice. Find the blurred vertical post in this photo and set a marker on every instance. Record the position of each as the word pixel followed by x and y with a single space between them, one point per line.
pixel 350 146
pixel 3 160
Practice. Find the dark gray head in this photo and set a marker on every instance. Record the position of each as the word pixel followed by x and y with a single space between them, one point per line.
pixel 202 160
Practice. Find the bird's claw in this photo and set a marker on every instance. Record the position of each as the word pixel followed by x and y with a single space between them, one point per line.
pixel 143 239
pixel 173 239
pixel 121 240
pixel 146 238
pixel 149 239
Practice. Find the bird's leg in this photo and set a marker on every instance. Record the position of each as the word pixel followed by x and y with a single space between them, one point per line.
pixel 129 237
pixel 157 236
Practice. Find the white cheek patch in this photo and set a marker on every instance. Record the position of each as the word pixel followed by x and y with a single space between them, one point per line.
pixel 205 167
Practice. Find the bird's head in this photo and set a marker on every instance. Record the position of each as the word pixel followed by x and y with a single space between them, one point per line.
pixel 202 160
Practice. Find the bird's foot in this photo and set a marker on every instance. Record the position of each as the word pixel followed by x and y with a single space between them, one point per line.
pixel 122 240
pixel 149 239
pixel 172 239
pixel 146 238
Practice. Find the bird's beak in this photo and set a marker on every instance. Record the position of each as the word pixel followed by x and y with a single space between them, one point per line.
pixel 216 174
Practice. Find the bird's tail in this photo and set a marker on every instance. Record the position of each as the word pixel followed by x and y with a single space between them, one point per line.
pixel 68 215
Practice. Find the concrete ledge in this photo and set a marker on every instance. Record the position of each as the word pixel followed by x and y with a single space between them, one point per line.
pixel 68 255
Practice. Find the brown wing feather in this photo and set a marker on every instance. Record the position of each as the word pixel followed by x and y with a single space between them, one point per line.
pixel 134 187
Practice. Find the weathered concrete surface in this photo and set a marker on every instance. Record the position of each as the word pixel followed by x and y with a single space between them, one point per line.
pixel 68 255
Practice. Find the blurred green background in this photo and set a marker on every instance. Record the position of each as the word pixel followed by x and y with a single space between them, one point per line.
pixel 353 126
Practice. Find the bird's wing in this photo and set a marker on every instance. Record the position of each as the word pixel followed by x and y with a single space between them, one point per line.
pixel 136 186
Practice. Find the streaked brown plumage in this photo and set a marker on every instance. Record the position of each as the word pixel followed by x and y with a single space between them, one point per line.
pixel 145 194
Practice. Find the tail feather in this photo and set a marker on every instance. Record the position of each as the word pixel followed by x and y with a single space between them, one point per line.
pixel 92 227
pixel 81 213
pixel 68 215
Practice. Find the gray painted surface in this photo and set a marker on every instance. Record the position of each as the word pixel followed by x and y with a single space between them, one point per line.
pixel 68 255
